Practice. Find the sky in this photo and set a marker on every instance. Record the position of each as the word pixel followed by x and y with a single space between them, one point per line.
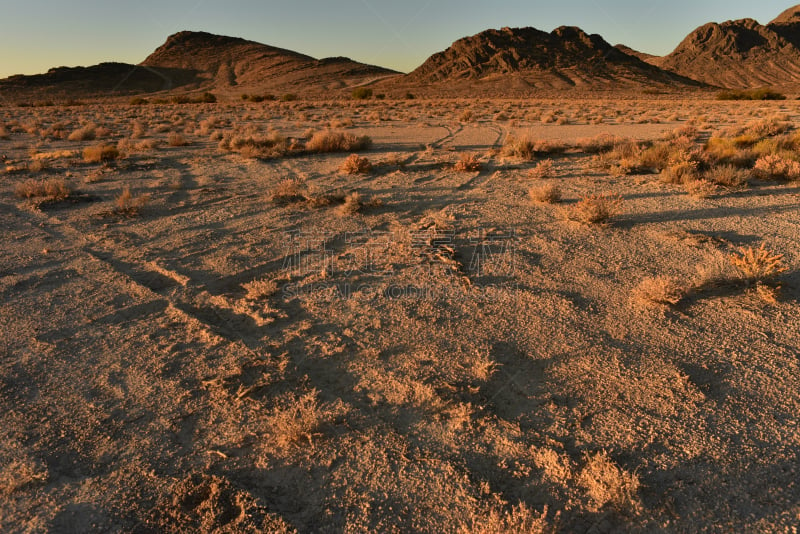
pixel 398 34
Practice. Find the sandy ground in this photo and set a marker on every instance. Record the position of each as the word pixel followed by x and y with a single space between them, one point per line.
pixel 454 357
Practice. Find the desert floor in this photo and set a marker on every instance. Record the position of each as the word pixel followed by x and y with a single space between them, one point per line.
pixel 445 354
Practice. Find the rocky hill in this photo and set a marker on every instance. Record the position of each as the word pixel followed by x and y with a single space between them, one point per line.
pixel 227 62
pixel 741 53
pixel 567 57
pixel 63 83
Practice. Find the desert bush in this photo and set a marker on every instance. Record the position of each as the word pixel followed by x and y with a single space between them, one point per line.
pixel 362 93
pixel 51 189
pixel 659 291
pixel 99 153
pixel 728 151
pixel 682 167
pixel 726 176
pixel 775 167
pixel 176 139
pixel 288 97
pixel 603 142
pixel 468 163
pixel 298 420
pixel 757 265
pixel 354 164
pixel 466 116
pixel 330 141
pixel 84 133
pixel 526 147
pixel 763 93
pixel 352 204
pixel 546 193
pixel 596 209
pixel 130 205
pixel 271 145
pixel 289 191
pixel 543 170
pixel 607 483
pixel 260 289
pixel 700 188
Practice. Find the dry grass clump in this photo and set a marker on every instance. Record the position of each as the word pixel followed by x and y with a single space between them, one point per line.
pixel 682 168
pixel 700 188
pixel 85 133
pixel 775 167
pixel 50 189
pixel 130 205
pixel 543 170
pixel 289 191
pixel 99 153
pixel 607 483
pixel 353 203
pixel 468 163
pixel 299 420
pixel 526 147
pixel 727 176
pixel 520 520
pixel 330 141
pixel 757 265
pixel 596 209
pixel 603 142
pixel 659 291
pixel 723 150
pixel 266 146
pixel 546 193
pixel 260 289
pixel 354 164
pixel 176 139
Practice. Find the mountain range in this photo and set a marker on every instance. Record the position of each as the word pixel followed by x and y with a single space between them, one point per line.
pixel 505 62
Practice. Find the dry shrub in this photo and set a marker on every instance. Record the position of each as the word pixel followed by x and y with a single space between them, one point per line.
pixel 468 163
pixel 130 205
pixel 3 132
pixel 354 164
pixel 603 142
pixel 659 291
pixel 526 147
pixel 466 116
pixel 352 205
pixel 596 209
pixel 727 176
pixel 51 189
pixel 289 191
pixel 98 153
pixel 519 520
pixel 607 483
pixel 543 170
pixel 38 165
pixel 724 150
pixel 271 145
pixel 176 139
pixel 757 265
pixel 129 145
pixel 547 193
pixel 85 133
pixel 682 167
pixel 299 420
pixel 330 141
pixel 775 167
pixel 700 188
pixel 260 289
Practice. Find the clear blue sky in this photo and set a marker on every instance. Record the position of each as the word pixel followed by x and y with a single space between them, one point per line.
pixel 38 34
